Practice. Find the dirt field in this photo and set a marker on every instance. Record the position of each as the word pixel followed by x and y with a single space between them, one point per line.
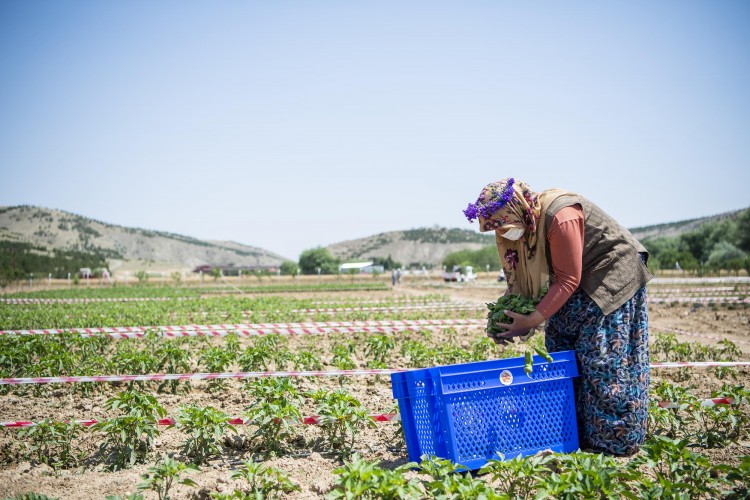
pixel 307 465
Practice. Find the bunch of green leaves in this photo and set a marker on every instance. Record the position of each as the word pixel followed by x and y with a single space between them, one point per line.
pixel 205 428
pixel 130 435
pixel 275 411
pixel 365 479
pixel 496 316
pixel 509 302
pixel 161 478
pixel 264 483
pixel 342 417
pixel 51 442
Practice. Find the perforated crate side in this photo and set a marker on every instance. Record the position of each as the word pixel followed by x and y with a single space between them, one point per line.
pixel 464 413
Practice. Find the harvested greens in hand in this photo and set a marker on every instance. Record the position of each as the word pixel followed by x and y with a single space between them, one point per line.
pixel 511 302
pixel 518 304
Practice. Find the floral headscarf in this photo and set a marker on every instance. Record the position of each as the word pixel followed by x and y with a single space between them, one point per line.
pixel 509 204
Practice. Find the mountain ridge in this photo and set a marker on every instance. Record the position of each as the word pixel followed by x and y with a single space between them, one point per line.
pixel 56 229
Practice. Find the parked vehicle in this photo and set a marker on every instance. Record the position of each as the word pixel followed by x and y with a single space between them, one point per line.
pixel 460 273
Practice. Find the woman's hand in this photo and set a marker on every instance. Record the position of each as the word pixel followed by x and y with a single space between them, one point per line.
pixel 521 325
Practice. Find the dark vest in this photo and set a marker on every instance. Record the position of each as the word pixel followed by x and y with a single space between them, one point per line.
pixel 612 269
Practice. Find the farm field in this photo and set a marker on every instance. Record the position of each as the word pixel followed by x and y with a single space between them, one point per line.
pixel 306 435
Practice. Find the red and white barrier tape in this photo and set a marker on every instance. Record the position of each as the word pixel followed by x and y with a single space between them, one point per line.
pixel 262 328
pixel 715 290
pixel 191 376
pixel 657 329
pixel 311 420
pixel 245 375
pixel 704 403
pixel 697 364
pixel 24 301
pixel 315 419
pixel 698 300
pixel 267 331
pixel 388 308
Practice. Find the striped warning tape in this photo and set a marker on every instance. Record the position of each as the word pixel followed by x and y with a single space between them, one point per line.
pixel 698 300
pixel 266 328
pixel 315 419
pixel 311 420
pixel 658 329
pixel 246 375
pixel 698 364
pixel 192 376
pixel 23 301
pixel 451 307
pixel 704 403
pixel 707 290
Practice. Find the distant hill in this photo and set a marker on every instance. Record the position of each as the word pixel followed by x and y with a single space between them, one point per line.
pixel 132 249
pixel 425 246
pixel 58 230
pixel 671 229
pixel 430 246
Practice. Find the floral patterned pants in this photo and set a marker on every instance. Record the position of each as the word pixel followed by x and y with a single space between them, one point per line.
pixel 613 361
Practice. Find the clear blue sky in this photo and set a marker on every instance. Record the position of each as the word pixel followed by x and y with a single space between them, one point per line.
pixel 294 124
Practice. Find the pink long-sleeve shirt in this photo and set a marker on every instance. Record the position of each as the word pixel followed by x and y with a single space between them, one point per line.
pixel 565 236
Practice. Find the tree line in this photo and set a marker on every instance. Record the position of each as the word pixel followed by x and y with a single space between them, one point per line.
pixel 712 247
pixel 18 261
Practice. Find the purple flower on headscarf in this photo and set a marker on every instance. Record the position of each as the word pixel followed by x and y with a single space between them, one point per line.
pixel 495 203
pixel 471 212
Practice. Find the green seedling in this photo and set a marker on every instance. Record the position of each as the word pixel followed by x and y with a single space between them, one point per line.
pixel 130 436
pixel 205 428
pixel 161 478
pixel 51 443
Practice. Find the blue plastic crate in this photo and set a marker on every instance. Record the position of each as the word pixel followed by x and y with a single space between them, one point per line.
pixel 473 412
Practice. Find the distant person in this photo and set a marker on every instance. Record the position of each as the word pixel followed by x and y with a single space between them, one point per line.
pixel 677 266
pixel 596 303
pixel 393 277
pixel 398 275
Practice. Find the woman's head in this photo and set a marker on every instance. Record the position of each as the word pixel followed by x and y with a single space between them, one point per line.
pixel 508 207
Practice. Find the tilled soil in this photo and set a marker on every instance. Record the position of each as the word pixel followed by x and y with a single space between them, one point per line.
pixel 307 462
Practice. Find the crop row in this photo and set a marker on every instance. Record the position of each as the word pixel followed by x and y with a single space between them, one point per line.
pixel 128 438
pixel 141 290
pixel 72 354
pixel 212 310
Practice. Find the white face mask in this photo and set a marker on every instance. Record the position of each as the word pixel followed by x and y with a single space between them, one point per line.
pixel 513 233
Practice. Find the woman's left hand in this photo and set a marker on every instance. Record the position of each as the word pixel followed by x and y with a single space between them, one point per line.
pixel 521 325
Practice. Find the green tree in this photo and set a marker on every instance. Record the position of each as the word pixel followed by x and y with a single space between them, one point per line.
pixel 318 258
pixel 289 268
pixel 742 235
pixel 724 255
